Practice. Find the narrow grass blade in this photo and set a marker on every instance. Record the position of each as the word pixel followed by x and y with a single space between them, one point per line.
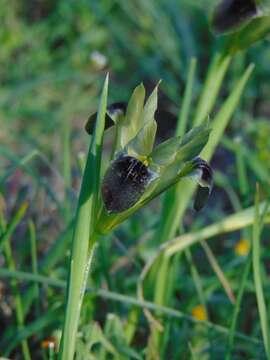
pixel 24 165
pixel 217 269
pixel 50 318
pixel 196 279
pixel 183 114
pixel 14 284
pixel 237 309
pixel 221 120
pixel 212 85
pixel 257 273
pixel 251 159
pixel 33 244
pixel 67 166
pixel 232 223
pixel 16 219
pixel 25 160
pixel 53 255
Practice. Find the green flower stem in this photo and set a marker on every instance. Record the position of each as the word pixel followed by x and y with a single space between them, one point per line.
pixel 80 262
pixel 84 236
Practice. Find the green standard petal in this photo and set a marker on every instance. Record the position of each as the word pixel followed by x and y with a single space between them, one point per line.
pixel 143 142
pixel 133 121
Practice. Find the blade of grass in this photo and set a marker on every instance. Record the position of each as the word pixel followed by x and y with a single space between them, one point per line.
pixel 50 318
pixel 67 166
pixel 223 181
pixel 239 220
pixel 26 159
pixel 241 170
pixel 12 267
pixel 53 255
pixel 196 279
pixel 257 273
pixel 16 219
pixel 222 118
pixel 183 114
pixel 251 159
pixel 237 308
pixel 217 269
pixel 23 164
pixel 212 85
pixel 33 243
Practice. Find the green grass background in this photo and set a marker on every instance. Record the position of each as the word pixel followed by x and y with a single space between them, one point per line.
pixel 49 84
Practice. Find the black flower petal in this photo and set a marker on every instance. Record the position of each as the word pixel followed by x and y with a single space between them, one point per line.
pixel 124 183
pixel 113 112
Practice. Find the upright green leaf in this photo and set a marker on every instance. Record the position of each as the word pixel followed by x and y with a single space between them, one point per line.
pixel 257 228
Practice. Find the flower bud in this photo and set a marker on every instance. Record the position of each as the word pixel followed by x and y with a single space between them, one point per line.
pixel 230 14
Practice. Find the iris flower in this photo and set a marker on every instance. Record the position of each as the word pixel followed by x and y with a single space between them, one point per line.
pixel 139 171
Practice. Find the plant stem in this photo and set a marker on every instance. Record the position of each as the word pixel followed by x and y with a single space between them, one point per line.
pixel 75 292
pixel 84 236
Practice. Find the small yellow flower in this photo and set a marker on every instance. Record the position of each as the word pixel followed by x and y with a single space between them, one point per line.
pixel 241 248
pixel 199 313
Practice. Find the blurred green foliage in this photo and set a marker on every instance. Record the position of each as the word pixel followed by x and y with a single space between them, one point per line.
pixel 53 57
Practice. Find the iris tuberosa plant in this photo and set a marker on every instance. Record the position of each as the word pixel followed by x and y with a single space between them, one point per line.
pixel 136 173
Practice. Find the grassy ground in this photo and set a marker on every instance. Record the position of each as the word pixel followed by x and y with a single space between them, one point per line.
pixel 203 296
